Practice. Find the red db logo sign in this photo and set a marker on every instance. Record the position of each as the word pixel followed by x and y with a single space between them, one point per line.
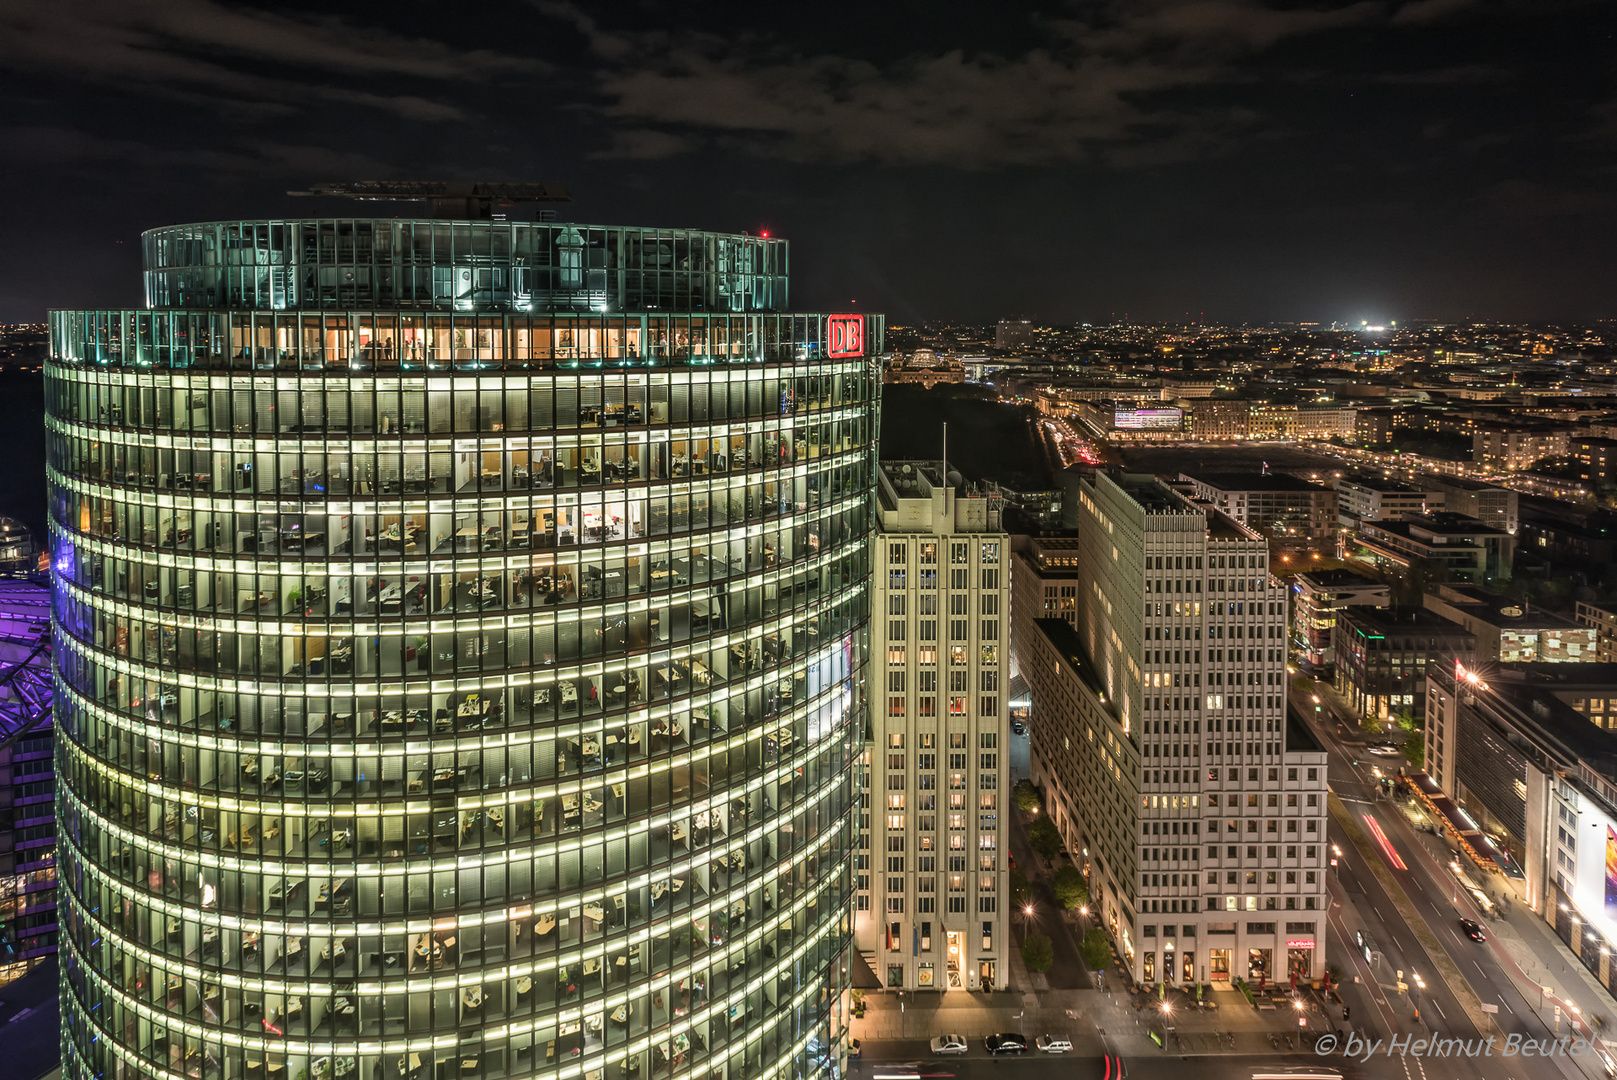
pixel 845 336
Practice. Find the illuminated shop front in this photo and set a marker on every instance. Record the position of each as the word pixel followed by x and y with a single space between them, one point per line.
pixel 458 655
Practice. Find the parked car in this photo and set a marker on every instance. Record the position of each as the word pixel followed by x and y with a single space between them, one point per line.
pixel 1473 930
pixel 1053 1044
pixel 948 1044
pixel 1005 1043
pixel 1018 728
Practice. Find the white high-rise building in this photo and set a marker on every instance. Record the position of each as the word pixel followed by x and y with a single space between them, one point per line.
pixel 1162 737
pixel 932 858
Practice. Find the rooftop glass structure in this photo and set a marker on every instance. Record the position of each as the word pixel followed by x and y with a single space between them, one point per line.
pixel 459 637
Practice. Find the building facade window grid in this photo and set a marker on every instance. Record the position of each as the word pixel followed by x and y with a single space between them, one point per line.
pixel 403 701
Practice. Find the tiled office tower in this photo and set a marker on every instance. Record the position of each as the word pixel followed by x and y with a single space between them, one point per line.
pixel 1194 801
pixel 933 896
pixel 459 633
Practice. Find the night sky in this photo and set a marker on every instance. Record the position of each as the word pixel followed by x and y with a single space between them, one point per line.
pixel 1230 159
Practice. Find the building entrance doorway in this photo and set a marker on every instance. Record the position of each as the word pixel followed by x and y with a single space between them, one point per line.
pixel 955 946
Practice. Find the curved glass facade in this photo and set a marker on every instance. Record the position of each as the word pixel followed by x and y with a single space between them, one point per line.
pixel 460 266
pixel 469 695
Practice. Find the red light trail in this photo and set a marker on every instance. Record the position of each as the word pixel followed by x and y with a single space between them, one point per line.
pixel 1386 845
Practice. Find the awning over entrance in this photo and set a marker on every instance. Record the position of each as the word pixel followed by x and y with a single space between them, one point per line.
pixel 1473 841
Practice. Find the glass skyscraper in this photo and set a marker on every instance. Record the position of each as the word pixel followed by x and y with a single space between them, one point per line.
pixel 460 628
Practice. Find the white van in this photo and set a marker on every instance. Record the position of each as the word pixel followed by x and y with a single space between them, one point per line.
pixel 1053 1044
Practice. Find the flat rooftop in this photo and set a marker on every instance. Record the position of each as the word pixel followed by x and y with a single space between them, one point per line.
pixel 30 1023
pixel 1338 578
pixel 1239 481
pixel 1414 526
pixel 1376 483
pixel 1299 740
pixel 1403 620
pixel 1502 611
pixel 1067 642
pixel 1154 496
pixel 1555 676
pixel 905 476
pixel 1532 688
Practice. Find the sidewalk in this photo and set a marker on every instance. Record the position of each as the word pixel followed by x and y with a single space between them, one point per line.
pixel 1534 958
pixel 1097 1022
pixel 1538 956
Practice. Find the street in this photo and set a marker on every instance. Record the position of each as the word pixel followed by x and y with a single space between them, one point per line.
pixel 1471 1062
pixel 1361 902
pixel 1392 885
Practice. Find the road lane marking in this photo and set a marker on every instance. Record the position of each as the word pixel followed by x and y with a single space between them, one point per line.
pixel 1439 1009
pixel 1506 1004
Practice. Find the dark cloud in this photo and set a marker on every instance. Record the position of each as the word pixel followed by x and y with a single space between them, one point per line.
pixel 1098 89
pixel 204 52
pixel 1059 158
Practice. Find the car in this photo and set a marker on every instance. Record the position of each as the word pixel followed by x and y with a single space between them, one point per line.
pixel 1018 728
pixel 1473 930
pixel 1006 1043
pixel 1606 1062
pixel 856 1049
pixel 1385 749
pixel 948 1044
pixel 1053 1044
pixel 1012 859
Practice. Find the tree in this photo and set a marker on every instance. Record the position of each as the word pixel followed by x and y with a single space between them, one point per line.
pixel 1043 838
pixel 1072 892
pixel 1038 953
pixel 1097 949
pixel 1026 796
pixel 1415 750
pixel 1018 887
